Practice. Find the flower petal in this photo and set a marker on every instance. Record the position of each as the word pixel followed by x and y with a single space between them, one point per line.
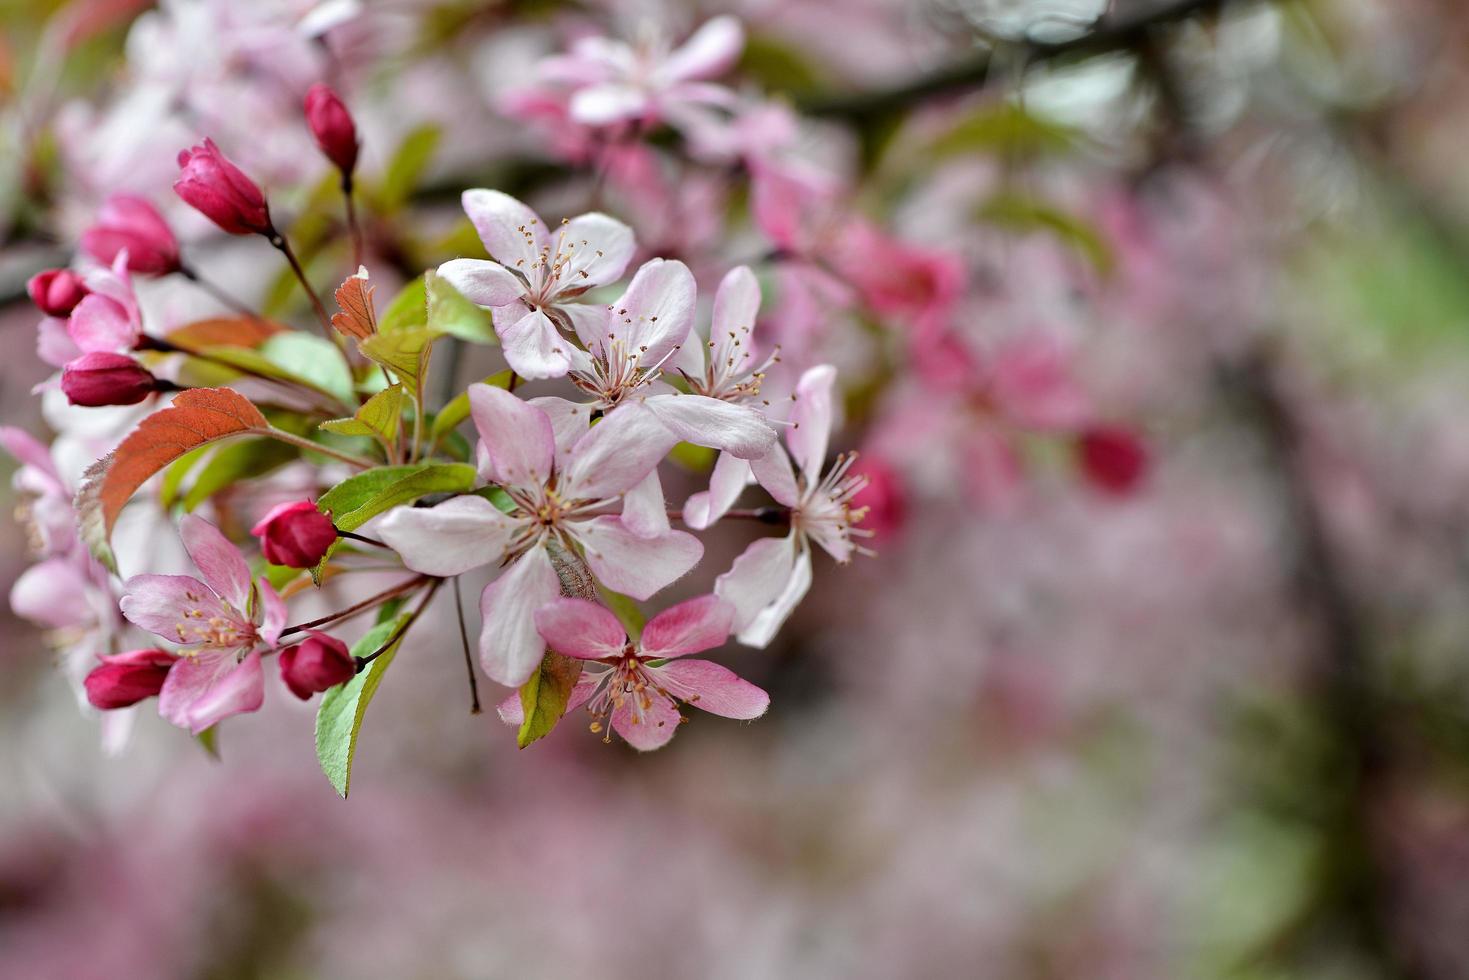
pixel 597 248
pixel 512 233
pixel 616 454
pixel 655 314
pixel 589 322
pixel 599 105
pixel 272 613
pixel 773 471
pixel 101 324
pixel 811 416
pixel 52 594
pixel 203 690
pixel 697 624
pixel 509 646
pixel 736 305
pixel 165 605
pixel 459 534
pixel 580 628
pixel 648 729
pixel 718 690
pixel 535 348
pixel 704 421
pixel 218 560
pixel 758 577
pixel 569 422
pixel 635 565
pixel 768 621
pixel 485 283
pixel 711 50
pixel 518 438
pixel 644 511
pixel 730 477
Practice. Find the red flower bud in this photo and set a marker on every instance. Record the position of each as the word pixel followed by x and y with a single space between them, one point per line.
pixel 219 190
pixel 1113 459
pixel 315 664
pixel 102 378
pixel 129 222
pixel 296 535
pixel 56 291
pixel 332 126
pixel 127 678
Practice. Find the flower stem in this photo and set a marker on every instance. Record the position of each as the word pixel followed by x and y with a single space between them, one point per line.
pixel 284 247
pixel 360 462
pixel 402 627
pixel 360 537
pixel 353 228
pixel 474 707
pixel 218 293
pixel 362 606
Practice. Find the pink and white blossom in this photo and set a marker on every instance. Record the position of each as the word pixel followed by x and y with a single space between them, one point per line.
pixel 638 693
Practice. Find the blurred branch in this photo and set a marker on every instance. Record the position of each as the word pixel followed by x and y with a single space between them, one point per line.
pixel 1111 34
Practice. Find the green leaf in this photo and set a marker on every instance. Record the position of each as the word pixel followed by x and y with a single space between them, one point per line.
pixel 543 698
pixel 450 313
pixel 316 360
pixel 244 360
pixel 457 410
pixel 173 477
pixel 208 740
pixel 408 310
pixel 696 459
pixel 626 609
pixel 1024 214
pixel 233 462
pixel 339 719
pixel 359 488
pixel 404 352
pixel 779 65
pixel 380 417
pixel 1005 129
pixel 407 166
pixel 357 500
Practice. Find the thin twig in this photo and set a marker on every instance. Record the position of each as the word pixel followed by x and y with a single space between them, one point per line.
pixel 284 247
pixel 361 462
pixel 362 606
pixel 353 228
pixel 474 707
pixel 398 633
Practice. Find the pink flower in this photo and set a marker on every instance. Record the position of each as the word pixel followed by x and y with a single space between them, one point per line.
pixel 124 679
pixel 56 292
pixel 537 276
pixel 614 82
pixel 639 693
pixel 332 126
pixel 216 188
pixel 108 319
pixel 316 664
pixel 100 378
pixel 631 340
pixel 560 477
pixel 899 279
pixel 131 224
pixel 295 534
pixel 771 577
pixel 220 622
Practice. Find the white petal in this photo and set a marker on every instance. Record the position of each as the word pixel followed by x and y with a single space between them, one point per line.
pixel 644 510
pixel 535 348
pixel 767 623
pixel 509 646
pixel 512 233
pixel 485 283
pixel 774 472
pixel 600 105
pixel 596 245
pixel 517 437
pixel 757 577
pixel 735 307
pixel 656 312
pixel 616 454
pixel 730 477
pixel 811 416
pixel 569 421
pixel 704 421
pixel 711 50
pixel 634 565
pixel 457 535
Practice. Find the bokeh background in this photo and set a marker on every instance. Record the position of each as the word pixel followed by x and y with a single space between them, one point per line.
pixel 1211 720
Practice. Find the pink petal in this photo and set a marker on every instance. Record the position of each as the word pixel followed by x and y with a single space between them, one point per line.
pixel 656 312
pixel 644 511
pixel 164 604
pixel 272 612
pixel 697 624
pixel 635 565
pixel 580 628
pixel 509 646
pixel 459 534
pixel 646 730
pixel 616 454
pixel 512 233
pixel 27 450
pixel 53 344
pixel 203 690
pixel 730 477
pixel 485 283
pixel 735 306
pixel 53 594
pixel 811 416
pixel 101 324
pixel 535 348
pixel 589 322
pixel 711 50
pixel 518 438
pixel 218 560
pixel 716 689
pixel 757 577
pixel 768 621
pixel 598 246
pixel 773 471
pixel 736 429
pixel 569 422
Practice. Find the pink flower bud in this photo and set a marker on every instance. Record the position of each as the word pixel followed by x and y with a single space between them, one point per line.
pixel 219 190
pixel 103 378
pixel 1114 459
pixel 882 502
pixel 130 222
pixel 296 534
pixel 332 126
pixel 56 291
pixel 315 664
pixel 127 678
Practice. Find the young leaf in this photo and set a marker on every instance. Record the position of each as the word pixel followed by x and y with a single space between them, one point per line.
pixel 380 417
pixel 450 313
pixel 1022 214
pixel 457 410
pixel 339 718
pixel 408 310
pixel 237 461
pixel 315 360
pixel 543 698
pixel 195 418
pixel 404 352
pixel 225 331
pixel 359 488
pixel 407 165
pixel 354 297
pixel 177 472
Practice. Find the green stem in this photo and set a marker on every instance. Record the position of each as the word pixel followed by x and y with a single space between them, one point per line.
pixel 360 462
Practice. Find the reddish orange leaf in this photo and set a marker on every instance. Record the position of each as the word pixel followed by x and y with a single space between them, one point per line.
pixel 224 331
pixel 196 417
pixel 354 296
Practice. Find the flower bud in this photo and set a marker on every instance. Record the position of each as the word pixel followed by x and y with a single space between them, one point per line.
pixel 296 534
pixel 219 190
pixel 130 222
pixel 1113 459
pixel 103 378
pixel 881 503
pixel 332 126
pixel 56 292
pixel 315 664
pixel 127 678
